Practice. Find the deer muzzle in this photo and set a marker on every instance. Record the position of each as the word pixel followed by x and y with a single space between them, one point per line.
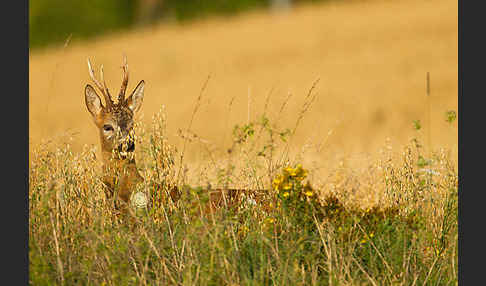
pixel 126 147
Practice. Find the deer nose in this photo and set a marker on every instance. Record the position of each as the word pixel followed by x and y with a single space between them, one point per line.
pixel 131 146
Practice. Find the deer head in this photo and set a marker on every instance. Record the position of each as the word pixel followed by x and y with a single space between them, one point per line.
pixel 114 121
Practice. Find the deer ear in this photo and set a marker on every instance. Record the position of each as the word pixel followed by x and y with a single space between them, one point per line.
pixel 93 101
pixel 134 101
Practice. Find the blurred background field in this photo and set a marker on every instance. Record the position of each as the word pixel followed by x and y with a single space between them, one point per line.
pixel 371 59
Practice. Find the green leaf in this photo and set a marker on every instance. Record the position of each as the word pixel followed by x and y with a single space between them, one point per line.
pixel 450 116
pixel 422 162
pixel 417 125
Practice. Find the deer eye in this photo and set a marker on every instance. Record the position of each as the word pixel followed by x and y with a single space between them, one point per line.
pixel 107 127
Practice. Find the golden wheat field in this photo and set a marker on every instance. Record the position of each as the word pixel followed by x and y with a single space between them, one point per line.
pixel 370 57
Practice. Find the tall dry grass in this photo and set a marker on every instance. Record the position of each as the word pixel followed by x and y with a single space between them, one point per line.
pixel 393 222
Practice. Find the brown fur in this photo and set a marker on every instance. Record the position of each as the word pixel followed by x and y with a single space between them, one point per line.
pixel 115 124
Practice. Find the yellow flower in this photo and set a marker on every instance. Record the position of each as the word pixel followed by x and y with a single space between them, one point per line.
pixel 363 240
pixel 300 173
pixel 286 194
pixel 287 171
pixel 307 187
pixel 276 182
pixel 270 220
pixel 372 234
pixel 287 186
pixel 309 193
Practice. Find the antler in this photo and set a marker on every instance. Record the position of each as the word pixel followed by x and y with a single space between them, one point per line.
pixel 102 87
pixel 121 95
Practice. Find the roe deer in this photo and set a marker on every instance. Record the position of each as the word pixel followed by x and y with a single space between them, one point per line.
pixel 115 124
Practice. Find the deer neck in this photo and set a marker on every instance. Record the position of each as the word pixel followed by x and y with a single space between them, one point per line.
pixel 121 172
pixel 118 165
pixel 120 175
